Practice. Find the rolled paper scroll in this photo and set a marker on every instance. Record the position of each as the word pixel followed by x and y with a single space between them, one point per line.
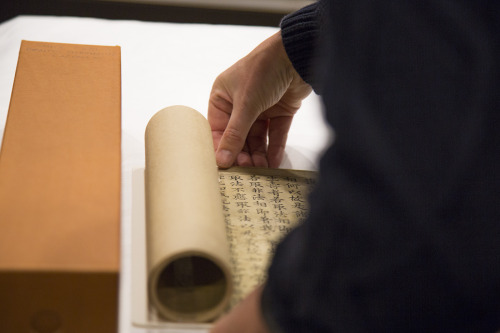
pixel 189 277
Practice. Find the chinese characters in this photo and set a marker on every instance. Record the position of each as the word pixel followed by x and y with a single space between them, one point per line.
pixel 260 207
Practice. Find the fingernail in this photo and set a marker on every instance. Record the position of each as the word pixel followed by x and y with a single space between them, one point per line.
pixel 224 158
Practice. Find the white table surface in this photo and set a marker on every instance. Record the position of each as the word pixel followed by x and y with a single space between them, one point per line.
pixel 163 64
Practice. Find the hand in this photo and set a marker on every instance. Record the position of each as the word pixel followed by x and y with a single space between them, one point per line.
pixel 254 99
pixel 246 317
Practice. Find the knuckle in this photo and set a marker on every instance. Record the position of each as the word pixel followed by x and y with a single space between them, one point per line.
pixel 233 136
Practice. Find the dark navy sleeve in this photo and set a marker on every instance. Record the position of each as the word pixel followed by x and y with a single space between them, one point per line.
pixel 403 232
pixel 300 32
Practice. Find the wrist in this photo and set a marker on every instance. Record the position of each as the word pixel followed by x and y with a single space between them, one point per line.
pixel 278 51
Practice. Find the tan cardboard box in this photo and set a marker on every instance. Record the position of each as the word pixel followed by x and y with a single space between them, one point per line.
pixel 60 191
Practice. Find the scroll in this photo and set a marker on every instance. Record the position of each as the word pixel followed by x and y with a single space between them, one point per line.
pixel 210 233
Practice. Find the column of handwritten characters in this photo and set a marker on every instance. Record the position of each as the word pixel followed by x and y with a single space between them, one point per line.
pixel 259 211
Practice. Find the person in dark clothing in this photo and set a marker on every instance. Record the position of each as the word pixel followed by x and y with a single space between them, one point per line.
pixel 404 226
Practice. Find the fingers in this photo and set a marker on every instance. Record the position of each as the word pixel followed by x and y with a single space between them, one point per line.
pixel 278 134
pixel 228 129
pixel 244 159
pixel 234 137
pixel 219 112
pixel 257 143
pixel 255 150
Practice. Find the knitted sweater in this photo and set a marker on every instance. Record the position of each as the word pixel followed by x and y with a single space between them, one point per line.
pixel 404 226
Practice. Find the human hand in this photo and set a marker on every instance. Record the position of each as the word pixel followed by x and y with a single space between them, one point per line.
pixel 253 100
pixel 246 317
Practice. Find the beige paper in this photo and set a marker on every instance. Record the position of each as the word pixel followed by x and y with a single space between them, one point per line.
pixel 188 255
pixel 261 206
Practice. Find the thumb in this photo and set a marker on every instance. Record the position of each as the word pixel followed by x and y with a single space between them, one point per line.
pixel 234 137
